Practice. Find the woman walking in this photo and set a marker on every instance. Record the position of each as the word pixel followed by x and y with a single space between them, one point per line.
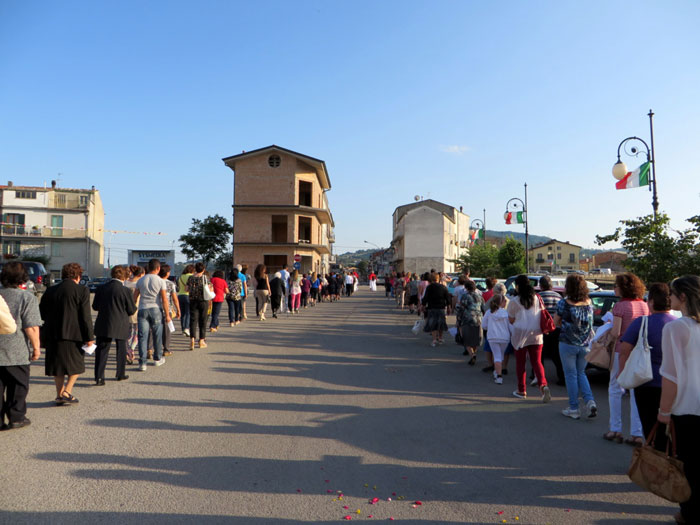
pixel 173 304
pixel 575 318
pixel 183 299
pixel 295 292
pixel 198 306
pixel 315 284
pixel 680 389
pixel 65 309
pixel 435 300
pixel 220 291
pixel 469 314
pixel 262 291
pixel 631 289
pixel 135 274
pixel 19 344
pixel 648 395
pixel 233 298
pixel 524 313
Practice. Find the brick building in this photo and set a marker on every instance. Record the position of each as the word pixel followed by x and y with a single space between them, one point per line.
pixel 281 209
pixel 612 259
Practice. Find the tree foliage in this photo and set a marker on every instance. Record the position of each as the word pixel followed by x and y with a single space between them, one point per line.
pixel 511 258
pixel 482 260
pixel 657 253
pixel 206 239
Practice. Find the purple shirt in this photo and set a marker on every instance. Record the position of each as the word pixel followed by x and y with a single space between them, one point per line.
pixel 655 328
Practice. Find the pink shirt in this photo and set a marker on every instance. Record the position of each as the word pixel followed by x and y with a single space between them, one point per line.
pixel 628 310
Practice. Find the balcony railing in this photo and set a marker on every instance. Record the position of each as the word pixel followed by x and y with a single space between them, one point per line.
pixel 21 230
pixel 68 202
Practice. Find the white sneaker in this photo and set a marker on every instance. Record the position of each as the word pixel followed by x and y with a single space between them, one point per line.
pixel 186 331
pixel 142 368
pixel 495 375
pixel 160 362
pixel 573 414
pixel 498 380
pixel 533 382
pixel 591 409
pixel 546 394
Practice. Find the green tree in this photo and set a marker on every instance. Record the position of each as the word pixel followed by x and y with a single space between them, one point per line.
pixel 657 253
pixel 207 239
pixel 481 260
pixel 362 267
pixel 511 257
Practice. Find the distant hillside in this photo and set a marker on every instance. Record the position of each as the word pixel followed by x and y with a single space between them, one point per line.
pixel 518 236
pixel 352 258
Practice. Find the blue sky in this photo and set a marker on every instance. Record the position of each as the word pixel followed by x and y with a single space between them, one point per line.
pixel 459 101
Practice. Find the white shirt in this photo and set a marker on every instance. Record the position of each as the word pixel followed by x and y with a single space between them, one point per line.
pixel 498 326
pixel 525 331
pixel 680 343
pixel 284 275
pixel 349 279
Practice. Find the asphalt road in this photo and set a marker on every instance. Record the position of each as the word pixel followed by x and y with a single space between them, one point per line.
pixel 308 419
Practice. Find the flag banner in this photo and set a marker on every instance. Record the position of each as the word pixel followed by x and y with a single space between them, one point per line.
pixel 517 217
pixel 634 179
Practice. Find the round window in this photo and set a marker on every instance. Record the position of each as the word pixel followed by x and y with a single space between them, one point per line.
pixel 274 161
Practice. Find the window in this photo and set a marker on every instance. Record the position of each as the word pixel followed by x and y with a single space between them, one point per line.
pixel 559 248
pixel 57 225
pixel 274 161
pixel 572 257
pixel 56 249
pixel 279 228
pixel 305 189
pixel 61 200
pixel 559 256
pixel 550 256
pixel 11 248
pixel 84 200
pixel 304 229
pixel 14 223
pixel 549 248
pixel 540 258
pixel 24 194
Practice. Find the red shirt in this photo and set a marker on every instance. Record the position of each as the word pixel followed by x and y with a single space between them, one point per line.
pixel 219 289
pixel 487 295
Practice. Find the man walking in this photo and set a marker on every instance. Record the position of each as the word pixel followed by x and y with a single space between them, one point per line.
pixel 114 304
pixel 149 288
pixel 349 284
pixel 284 275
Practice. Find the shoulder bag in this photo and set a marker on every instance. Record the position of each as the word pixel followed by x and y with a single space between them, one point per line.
pixel 602 352
pixel 7 322
pixel 546 322
pixel 659 472
pixel 207 293
pixel 637 369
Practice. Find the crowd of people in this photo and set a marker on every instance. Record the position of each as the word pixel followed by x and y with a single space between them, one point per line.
pixel 505 324
pixel 136 310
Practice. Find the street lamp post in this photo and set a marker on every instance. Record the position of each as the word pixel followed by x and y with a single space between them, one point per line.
pixel 378 248
pixel 475 226
pixel 619 169
pixel 516 213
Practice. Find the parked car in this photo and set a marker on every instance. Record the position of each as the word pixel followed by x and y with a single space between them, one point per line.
pixel 603 301
pixel 93 284
pixel 479 281
pixel 84 279
pixel 557 284
pixel 601 271
pixel 41 279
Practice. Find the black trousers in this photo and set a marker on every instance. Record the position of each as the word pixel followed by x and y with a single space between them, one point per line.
pixel 102 353
pixel 648 399
pixel 348 289
pixel 198 318
pixel 687 431
pixel 14 386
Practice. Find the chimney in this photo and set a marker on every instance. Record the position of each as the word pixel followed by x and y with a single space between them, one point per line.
pixel 53 184
pixel 9 183
pixel 460 209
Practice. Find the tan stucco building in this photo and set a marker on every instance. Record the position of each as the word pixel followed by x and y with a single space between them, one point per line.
pixel 64 224
pixel 281 210
pixel 555 255
pixel 428 235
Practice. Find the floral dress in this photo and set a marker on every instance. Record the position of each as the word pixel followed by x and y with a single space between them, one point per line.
pixel 469 315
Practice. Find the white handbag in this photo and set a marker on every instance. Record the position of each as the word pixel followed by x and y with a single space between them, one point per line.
pixel 207 293
pixel 637 369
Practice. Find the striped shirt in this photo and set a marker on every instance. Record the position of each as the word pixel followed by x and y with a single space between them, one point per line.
pixel 550 299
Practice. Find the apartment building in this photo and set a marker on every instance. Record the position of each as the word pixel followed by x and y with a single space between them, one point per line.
pixel 429 235
pixel 63 224
pixel 554 255
pixel 281 210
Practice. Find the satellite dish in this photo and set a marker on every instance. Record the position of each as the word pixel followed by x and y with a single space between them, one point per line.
pixel 416 198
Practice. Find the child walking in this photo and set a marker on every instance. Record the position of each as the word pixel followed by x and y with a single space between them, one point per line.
pixel 498 333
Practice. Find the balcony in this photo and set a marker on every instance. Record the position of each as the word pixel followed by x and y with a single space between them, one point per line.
pixel 65 201
pixel 41 232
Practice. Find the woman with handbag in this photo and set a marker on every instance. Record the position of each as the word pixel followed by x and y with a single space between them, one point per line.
pixel 574 316
pixel 631 289
pixel 680 386
pixel 262 291
pixel 234 298
pixel 648 395
pixel 198 305
pixel 524 314
pixel 220 290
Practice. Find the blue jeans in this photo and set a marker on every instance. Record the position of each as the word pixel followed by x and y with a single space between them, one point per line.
pixel 150 319
pixel 235 310
pixel 573 359
pixel 184 311
pixel 215 311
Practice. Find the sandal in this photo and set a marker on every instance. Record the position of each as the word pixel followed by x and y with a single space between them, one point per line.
pixel 635 441
pixel 60 401
pixel 472 361
pixel 613 436
pixel 67 397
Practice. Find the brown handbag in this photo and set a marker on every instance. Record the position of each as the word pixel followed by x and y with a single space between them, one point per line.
pixel 602 352
pixel 659 473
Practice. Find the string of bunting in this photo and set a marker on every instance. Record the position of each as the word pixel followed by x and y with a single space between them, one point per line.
pixel 29 228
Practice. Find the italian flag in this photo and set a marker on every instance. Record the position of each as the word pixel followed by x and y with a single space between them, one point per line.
pixel 477 234
pixel 634 179
pixel 517 217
